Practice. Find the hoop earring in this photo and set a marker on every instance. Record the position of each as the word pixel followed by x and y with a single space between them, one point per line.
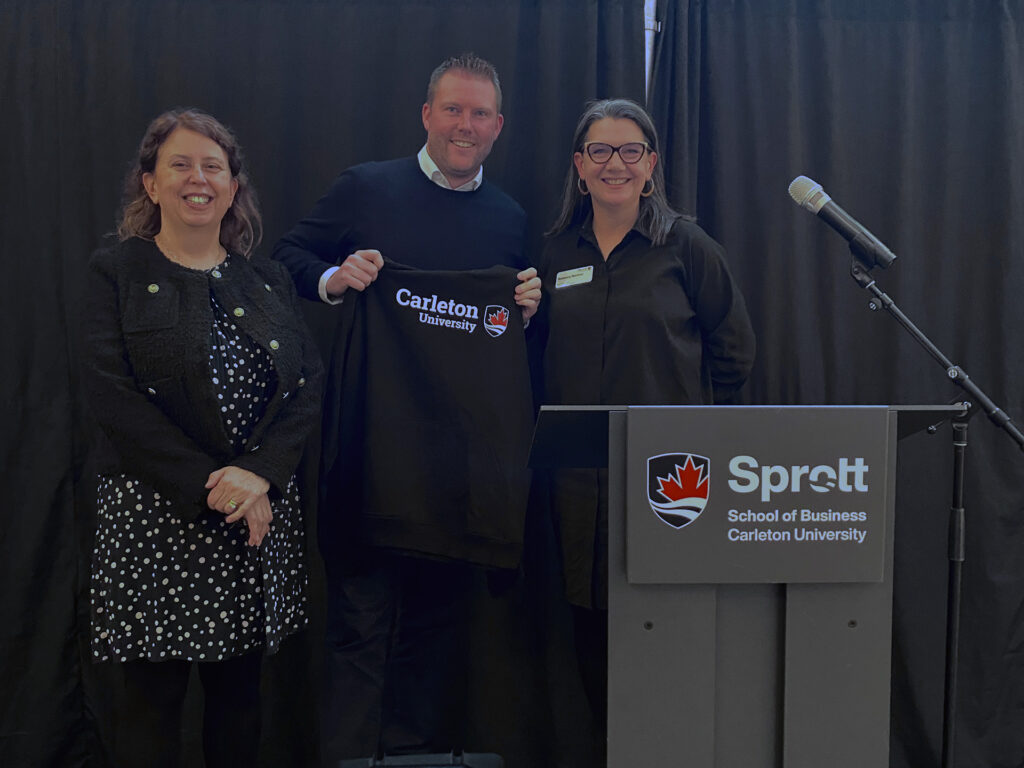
pixel 581 185
pixel 645 192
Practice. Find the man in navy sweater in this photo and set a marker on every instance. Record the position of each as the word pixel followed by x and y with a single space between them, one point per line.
pixel 395 621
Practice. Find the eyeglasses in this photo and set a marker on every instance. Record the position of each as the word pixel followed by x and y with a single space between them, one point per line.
pixel 630 153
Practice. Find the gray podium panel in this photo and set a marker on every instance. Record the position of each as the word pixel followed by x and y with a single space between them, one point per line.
pixel 654 647
pixel 753 675
pixel 693 669
pixel 837 662
pixel 745 675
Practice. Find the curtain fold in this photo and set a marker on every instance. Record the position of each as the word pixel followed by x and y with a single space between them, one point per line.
pixel 909 114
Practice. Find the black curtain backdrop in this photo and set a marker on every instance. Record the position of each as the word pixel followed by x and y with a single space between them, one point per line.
pixel 311 87
pixel 910 114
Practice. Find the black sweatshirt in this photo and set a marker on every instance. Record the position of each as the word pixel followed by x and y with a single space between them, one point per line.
pixel 428 420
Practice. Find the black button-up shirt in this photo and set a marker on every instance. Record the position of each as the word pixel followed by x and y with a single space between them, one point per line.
pixel 651 325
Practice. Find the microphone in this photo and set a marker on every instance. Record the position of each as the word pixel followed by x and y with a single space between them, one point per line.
pixel 809 194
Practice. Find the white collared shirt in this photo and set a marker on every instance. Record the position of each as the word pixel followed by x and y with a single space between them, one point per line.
pixel 432 172
pixel 429 167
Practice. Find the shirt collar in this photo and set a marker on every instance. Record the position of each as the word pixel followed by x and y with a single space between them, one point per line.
pixel 586 233
pixel 432 172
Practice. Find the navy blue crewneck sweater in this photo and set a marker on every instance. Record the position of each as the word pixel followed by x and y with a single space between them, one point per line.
pixel 393 207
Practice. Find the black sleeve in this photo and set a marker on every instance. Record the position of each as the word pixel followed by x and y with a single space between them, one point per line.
pixel 525 260
pixel 537 332
pixel 728 337
pixel 321 239
pixel 148 443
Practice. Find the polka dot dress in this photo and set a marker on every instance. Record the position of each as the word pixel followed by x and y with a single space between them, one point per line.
pixel 165 588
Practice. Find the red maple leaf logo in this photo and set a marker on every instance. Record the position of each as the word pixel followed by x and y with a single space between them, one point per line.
pixel 685 483
pixel 498 318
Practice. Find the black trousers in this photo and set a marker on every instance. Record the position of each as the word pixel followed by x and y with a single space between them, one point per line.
pixel 395 658
pixel 590 627
pixel 148 730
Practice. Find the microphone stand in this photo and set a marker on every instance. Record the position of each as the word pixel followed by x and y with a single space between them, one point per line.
pixel 860 270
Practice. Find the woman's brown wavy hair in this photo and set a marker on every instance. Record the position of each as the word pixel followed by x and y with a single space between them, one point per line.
pixel 241 229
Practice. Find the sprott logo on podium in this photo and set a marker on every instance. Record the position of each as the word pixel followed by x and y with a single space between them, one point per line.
pixel 678 485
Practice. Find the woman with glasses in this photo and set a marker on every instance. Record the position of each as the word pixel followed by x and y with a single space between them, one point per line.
pixel 640 310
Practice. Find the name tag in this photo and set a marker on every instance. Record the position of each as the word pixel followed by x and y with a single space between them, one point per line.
pixel 576 276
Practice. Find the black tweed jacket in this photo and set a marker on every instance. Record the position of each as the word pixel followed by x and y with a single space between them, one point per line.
pixel 145 367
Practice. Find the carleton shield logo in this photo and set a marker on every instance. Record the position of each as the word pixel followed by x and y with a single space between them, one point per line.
pixel 495 320
pixel 678 486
